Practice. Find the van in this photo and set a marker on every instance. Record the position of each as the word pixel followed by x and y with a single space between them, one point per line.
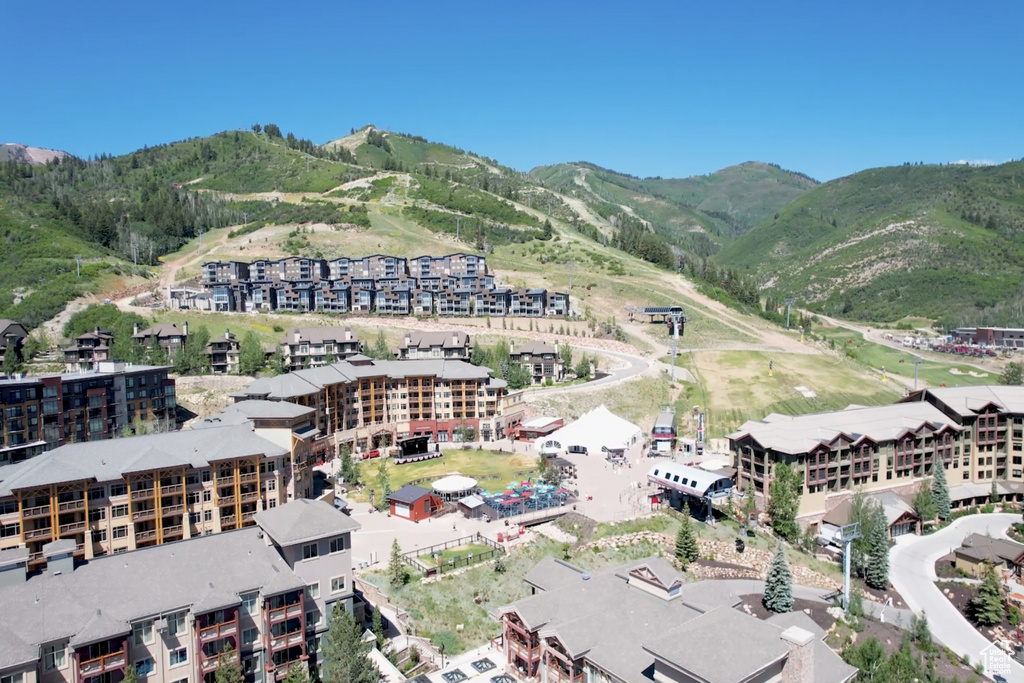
pixel 577 449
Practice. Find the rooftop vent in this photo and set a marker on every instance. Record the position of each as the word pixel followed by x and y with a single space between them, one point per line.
pixel 585 576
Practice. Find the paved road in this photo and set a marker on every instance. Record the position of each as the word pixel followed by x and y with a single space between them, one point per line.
pixel 912 573
pixel 634 365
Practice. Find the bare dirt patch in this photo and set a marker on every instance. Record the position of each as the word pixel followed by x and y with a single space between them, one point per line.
pixel 207 395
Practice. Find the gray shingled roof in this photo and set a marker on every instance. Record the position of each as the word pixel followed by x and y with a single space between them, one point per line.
pixel 551 574
pixel 966 400
pixel 319 335
pixel 425 340
pixel 801 433
pixel 409 494
pixel 107 460
pixel 161 331
pixel 137 585
pixel 304 520
pixel 987 549
pixel 534 348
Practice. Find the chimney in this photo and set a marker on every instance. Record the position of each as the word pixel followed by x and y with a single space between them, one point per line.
pixel 96 331
pixel 295 336
pixel 184 329
pixel 799 666
pixel 455 338
pixel 135 329
pixel 13 563
pixel 60 556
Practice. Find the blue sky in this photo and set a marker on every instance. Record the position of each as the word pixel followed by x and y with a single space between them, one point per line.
pixel 648 88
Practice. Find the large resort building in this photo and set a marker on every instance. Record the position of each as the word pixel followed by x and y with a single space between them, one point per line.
pixel 262 593
pixel 976 433
pixel 452 285
pixel 44 412
pixel 362 403
pixel 115 496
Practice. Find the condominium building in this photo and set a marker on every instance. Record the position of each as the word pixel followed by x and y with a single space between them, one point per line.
pixel 452 285
pixel 641 622
pixel 261 594
pixel 129 493
pixel 223 353
pixel 314 347
pixel 88 350
pixel 976 433
pixel 44 412
pixel 11 333
pixel 541 360
pixel 453 345
pixel 166 335
pixel 363 403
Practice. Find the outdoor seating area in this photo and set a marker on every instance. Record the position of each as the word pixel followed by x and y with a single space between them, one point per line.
pixel 522 497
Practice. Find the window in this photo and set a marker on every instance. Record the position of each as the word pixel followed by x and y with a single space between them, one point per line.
pixel 312 618
pixel 313 591
pixel 207 497
pixel 117 490
pixel 195 518
pixel 271 485
pixel 180 680
pixel 99 535
pixel 144 667
pixel 207 515
pixel 338 544
pixel 338 584
pixel 13 678
pixel 192 498
pixel 176 624
pixel 142 632
pixel 177 657
pixel 206 475
pixel 54 657
pixel 250 636
pixel 310 551
pixel 120 532
pixel 119 511
pixel 249 604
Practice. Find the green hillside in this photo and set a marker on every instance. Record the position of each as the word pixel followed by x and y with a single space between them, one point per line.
pixel 937 241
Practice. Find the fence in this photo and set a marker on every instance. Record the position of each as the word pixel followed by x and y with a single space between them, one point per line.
pixel 428 569
pixel 478 477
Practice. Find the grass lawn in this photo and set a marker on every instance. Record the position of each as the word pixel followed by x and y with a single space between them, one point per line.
pixel 637 400
pixel 471 463
pixel 458 553
pixel 877 356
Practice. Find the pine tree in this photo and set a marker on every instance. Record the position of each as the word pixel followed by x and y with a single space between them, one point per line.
pixel 344 651
pixel 396 570
pixel 276 364
pixel 348 468
pixel 686 543
pixel 380 350
pixel 155 355
pixel 993 496
pixel 297 673
pixel 940 492
pixel 778 586
pixel 987 605
pixel 876 574
pixel 384 482
pixel 11 361
pixel 378 628
pixel 250 354
pixel 228 669
pixel 130 674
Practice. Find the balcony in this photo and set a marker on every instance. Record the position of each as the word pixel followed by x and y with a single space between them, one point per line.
pixel 208 664
pixel 217 631
pixel 224 501
pixel 227 520
pixel 247 516
pixel 250 497
pixel 37 534
pixel 173 489
pixel 171 510
pixel 530 654
pixel 286 640
pixel 142 494
pixel 142 536
pixel 101 665
pixel 175 530
pixel 248 477
pixel 143 515
pixel 71 505
pixel 286 612
pixel 39 511
pixel 73 528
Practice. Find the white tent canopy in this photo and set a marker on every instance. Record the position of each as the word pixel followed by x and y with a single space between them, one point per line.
pixel 595 430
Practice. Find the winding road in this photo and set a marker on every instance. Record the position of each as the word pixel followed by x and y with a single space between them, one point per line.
pixel 912 574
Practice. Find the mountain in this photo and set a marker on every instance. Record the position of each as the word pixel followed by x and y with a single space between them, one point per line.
pixel 699 214
pixel 927 240
pixel 23 154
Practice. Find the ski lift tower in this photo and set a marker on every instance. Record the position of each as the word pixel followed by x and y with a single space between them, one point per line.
pixel 848 534
pixel 675 318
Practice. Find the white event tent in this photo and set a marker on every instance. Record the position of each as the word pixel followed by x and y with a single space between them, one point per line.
pixel 595 430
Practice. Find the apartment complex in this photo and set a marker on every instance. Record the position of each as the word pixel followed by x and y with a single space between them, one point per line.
pixel 44 412
pixel 453 285
pixel 171 611
pixel 976 433
pixel 998 337
pixel 641 622
pixel 449 345
pixel 165 335
pixel 12 333
pixel 314 347
pixel 123 494
pixel 224 352
pixel 362 403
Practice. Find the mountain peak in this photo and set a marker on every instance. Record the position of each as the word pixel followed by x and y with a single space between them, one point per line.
pixel 25 154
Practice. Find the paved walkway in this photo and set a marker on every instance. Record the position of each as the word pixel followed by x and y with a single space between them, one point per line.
pixel 912 573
